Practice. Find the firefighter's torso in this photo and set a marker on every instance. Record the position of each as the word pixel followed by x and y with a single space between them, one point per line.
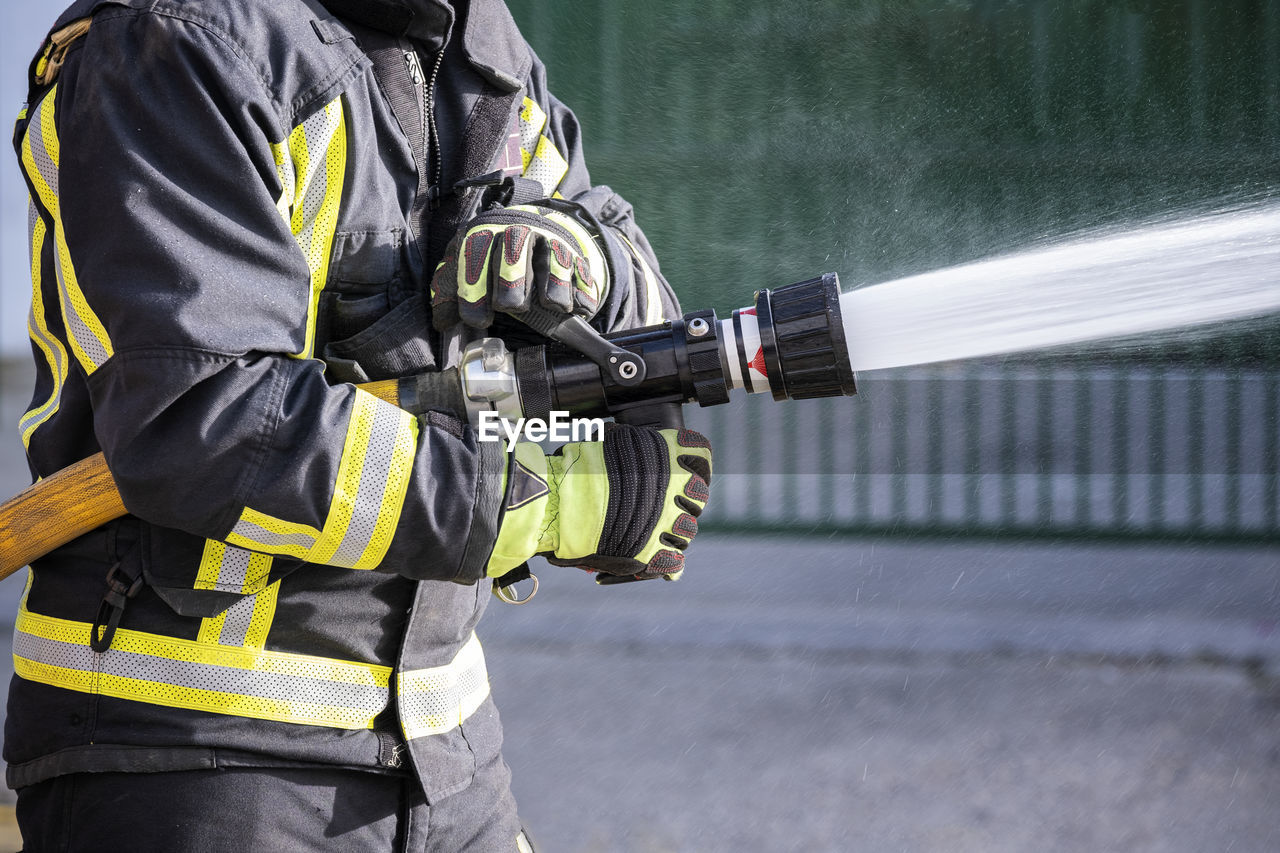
pixel 142 647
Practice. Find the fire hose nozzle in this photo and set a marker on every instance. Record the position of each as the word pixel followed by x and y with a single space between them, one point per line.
pixel 790 343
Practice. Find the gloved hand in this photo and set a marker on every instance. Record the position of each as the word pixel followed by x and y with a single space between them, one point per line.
pixel 627 505
pixel 516 257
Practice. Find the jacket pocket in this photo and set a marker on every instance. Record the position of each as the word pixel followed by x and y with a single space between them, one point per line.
pixel 204 577
pixel 368 328
pixel 364 272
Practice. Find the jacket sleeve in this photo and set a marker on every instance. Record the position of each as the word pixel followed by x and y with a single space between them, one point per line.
pixel 551 147
pixel 193 229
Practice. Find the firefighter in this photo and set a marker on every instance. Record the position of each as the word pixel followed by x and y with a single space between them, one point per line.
pixel 240 210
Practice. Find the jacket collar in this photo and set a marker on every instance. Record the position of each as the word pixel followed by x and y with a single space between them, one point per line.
pixel 493 44
pixel 490 39
pixel 427 21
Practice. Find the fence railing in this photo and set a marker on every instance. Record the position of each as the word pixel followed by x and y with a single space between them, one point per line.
pixel 1140 451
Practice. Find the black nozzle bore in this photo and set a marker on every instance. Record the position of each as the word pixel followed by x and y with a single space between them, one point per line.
pixel 802 338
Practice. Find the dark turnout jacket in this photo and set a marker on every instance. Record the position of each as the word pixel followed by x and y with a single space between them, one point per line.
pixel 236 207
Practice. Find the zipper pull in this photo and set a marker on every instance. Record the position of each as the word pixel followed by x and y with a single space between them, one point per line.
pixel 415 67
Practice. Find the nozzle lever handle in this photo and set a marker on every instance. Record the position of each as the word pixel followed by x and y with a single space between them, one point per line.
pixel 623 366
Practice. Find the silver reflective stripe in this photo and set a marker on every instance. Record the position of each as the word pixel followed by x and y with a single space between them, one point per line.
pixel 39 149
pixel 83 327
pixel 55 354
pixel 184 674
pixel 532 120
pixel 80 331
pixel 365 698
pixel 317 133
pixel 259 535
pixel 238 619
pixel 234 569
pixel 436 700
pixel 375 473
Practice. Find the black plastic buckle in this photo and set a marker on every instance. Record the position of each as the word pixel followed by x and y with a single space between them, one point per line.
pixel 120 588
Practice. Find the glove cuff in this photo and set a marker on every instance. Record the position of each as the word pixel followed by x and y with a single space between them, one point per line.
pixel 527 504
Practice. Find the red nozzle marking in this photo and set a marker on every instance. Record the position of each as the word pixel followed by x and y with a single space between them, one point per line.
pixel 757 363
pixel 750 311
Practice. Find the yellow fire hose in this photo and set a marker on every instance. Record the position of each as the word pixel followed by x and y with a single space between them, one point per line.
pixel 75 500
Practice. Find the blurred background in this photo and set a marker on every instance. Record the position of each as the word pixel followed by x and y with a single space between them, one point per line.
pixel 1031 601
pixel 764 143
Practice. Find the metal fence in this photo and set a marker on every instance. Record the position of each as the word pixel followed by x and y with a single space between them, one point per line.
pixel 1041 451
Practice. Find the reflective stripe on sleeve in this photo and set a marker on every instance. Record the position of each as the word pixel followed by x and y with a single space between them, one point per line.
pixel 178 673
pixel 373 478
pixel 436 700
pixel 41 152
pixel 55 354
pixel 652 292
pixel 311 164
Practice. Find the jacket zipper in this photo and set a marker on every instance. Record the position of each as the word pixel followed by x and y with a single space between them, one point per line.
pixel 426 89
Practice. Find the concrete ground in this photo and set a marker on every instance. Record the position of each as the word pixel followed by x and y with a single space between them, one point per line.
pixel 901 696
pixel 796 694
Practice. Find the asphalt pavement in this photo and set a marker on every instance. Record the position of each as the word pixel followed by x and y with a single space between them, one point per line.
pixel 794 694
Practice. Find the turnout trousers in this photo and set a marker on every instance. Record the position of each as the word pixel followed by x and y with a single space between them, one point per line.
pixel 238 810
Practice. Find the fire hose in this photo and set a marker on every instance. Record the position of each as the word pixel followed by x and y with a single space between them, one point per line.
pixel 790 343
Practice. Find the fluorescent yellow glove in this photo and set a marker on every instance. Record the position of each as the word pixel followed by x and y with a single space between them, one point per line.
pixel 513 258
pixel 628 505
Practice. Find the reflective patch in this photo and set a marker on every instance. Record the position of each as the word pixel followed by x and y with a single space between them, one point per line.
pixel 532 121
pixel 436 700
pixel 547 166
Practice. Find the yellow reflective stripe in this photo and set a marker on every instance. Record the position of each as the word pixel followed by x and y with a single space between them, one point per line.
pixel 41 153
pixel 245 623
pixel 541 160
pixel 547 166
pixel 436 700
pixel 263 613
pixel 277 536
pixel 229 569
pixel 368 496
pixel 311 165
pixel 55 354
pixel 532 121
pixel 188 674
pixel 284 171
pixel 652 290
